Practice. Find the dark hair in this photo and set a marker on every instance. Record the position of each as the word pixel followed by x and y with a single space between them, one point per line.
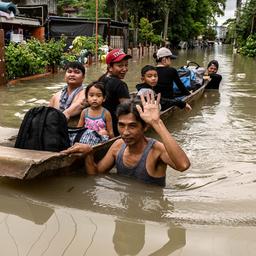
pixel 159 59
pixel 96 84
pixel 147 68
pixel 75 65
pixel 129 107
pixel 213 62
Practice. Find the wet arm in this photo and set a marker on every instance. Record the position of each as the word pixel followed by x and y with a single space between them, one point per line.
pixel 170 152
pixel 109 124
pixel 105 165
pixel 76 107
pixel 173 155
pixel 52 102
pixel 81 121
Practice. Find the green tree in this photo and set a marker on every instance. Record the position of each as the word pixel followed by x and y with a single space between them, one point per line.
pixel 246 20
pixel 86 8
pixel 176 19
pixel 146 32
pixel 231 30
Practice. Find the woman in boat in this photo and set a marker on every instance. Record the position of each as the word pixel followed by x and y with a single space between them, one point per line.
pixel 96 117
pixel 215 79
pixel 166 76
pixel 116 89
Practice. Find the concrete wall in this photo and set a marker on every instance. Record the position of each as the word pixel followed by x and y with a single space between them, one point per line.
pixel 52 4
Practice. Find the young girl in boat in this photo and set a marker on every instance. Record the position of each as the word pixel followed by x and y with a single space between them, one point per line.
pixel 149 78
pixel 96 117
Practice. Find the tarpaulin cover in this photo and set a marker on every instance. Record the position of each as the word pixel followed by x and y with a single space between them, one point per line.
pixel 8 7
pixel 74 29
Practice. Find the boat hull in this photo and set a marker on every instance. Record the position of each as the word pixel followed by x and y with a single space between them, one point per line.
pixel 28 164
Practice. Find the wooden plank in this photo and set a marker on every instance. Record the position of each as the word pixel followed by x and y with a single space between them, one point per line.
pixel 27 164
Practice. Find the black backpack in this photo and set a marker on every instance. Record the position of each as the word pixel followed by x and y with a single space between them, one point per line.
pixel 43 128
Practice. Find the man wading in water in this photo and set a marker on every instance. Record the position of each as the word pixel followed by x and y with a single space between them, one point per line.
pixel 135 155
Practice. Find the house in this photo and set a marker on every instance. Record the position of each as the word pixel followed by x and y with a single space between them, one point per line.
pixel 113 32
pixel 16 27
pixel 52 4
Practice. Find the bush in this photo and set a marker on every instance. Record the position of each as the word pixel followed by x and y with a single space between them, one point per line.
pixel 32 57
pixel 86 42
pixel 249 49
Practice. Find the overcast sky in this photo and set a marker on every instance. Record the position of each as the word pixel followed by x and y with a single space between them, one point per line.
pixel 229 12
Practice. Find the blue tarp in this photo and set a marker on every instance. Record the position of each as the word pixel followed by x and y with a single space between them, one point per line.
pixel 8 7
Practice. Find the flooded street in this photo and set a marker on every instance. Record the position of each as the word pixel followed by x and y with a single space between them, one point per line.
pixel 208 210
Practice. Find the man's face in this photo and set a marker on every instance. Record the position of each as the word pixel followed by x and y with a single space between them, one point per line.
pixel 74 77
pixel 130 129
pixel 119 69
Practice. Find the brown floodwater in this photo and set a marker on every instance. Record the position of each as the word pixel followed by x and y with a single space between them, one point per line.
pixel 208 210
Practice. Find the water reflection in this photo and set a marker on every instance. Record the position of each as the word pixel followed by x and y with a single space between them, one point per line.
pixel 107 194
pixel 133 226
pixel 22 208
pixel 130 238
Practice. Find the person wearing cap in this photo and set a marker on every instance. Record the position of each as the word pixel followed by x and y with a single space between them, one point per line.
pixel 116 89
pixel 215 79
pixel 166 76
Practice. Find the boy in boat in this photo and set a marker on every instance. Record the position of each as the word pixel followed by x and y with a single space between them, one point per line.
pixel 116 89
pixel 71 99
pixel 149 78
pixel 135 155
pixel 215 79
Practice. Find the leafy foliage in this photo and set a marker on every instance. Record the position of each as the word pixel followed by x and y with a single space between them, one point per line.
pixel 245 21
pixel 146 31
pixel 85 8
pixel 86 42
pixel 33 57
pixel 249 48
pixel 185 19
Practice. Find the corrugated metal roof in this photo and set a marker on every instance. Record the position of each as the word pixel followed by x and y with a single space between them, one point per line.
pixel 20 21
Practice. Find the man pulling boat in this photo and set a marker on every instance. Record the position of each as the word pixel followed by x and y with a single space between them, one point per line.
pixel 135 155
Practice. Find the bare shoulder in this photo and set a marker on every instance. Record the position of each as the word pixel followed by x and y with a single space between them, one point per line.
pixel 106 113
pixel 80 95
pixel 158 147
pixel 54 101
pixel 56 95
pixel 116 146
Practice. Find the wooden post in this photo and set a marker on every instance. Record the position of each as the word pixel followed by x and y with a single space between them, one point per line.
pixel 2 60
pixel 96 29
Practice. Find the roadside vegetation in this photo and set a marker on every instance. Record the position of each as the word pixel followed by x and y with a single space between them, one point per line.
pixel 154 21
pixel 32 57
pixel 242 30
pixel 36 57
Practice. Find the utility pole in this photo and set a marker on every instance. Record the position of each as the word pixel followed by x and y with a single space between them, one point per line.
pixel 2 60
pixel 96 30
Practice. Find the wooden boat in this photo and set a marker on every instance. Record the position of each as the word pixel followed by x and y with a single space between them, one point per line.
pixel 27 164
